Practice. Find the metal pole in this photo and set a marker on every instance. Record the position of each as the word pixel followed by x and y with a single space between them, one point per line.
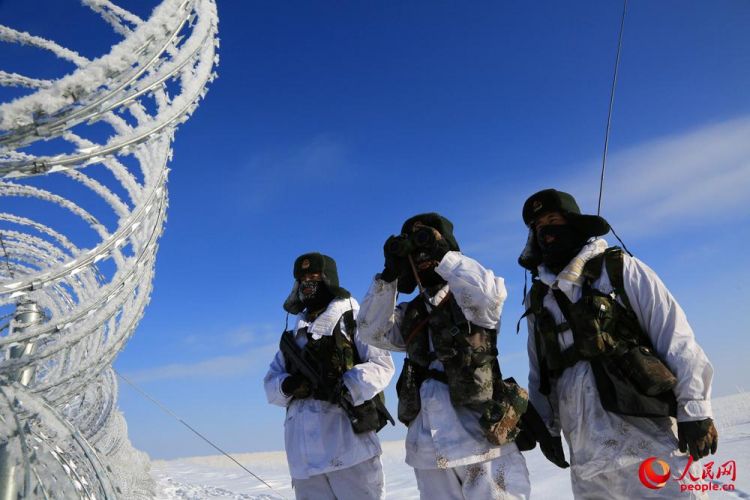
pixel 27 314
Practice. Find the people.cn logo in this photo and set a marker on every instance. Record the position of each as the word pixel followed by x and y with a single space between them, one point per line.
pixel 654 473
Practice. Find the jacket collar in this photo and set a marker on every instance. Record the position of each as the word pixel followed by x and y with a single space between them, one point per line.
pixel 324 324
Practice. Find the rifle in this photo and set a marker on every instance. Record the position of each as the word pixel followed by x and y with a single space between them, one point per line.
pixel 300 363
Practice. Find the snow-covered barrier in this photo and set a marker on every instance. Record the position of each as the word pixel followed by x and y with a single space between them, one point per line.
pixel 83 198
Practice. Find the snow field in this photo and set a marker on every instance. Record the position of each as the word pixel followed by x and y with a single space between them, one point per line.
pixel 216 477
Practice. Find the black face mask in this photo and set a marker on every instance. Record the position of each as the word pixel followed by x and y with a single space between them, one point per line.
pixel 566 244
pixel 318 297
pixel 428 277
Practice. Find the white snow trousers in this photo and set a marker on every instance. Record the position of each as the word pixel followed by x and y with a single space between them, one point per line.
pixel 623 484
pixel 363 481
pixel 504 477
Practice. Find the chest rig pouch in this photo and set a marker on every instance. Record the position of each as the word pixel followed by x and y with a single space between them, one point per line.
pixel 630 377
pixel 333 355
pixel 468 353
pixel 592 320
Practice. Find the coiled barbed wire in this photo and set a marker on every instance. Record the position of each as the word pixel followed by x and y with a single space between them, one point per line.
pixel 83 199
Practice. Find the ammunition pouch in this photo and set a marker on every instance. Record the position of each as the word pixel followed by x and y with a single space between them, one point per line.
pixel 593 322
pixel 619 394
pixel 500 416
pixel 646 371
pixel 367 416
pixel 466 351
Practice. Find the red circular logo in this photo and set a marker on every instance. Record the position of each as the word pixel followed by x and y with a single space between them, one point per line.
pixel 654 473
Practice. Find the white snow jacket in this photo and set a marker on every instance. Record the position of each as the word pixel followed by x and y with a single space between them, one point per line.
pixel 318 435
pixel 442 435
pixel 605 446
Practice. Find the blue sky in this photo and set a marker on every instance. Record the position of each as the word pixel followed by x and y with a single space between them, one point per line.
pixel 332 122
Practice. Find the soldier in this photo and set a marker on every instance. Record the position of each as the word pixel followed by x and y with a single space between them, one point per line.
pixel 461 416
pixel 612 356
pixel 331 385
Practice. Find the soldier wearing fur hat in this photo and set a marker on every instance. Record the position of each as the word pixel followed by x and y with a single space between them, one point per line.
pixel 612 357
pixel 331 385
pixel 462 417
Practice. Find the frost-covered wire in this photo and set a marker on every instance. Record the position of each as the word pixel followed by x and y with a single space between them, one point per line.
pixel 116 16
pixel 92 284
pixel 15 80
pixel 8 34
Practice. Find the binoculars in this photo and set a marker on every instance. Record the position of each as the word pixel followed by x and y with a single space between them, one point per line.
pixel 403 244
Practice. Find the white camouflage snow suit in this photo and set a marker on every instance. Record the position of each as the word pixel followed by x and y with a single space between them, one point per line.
pixel 445 445
pixel 606 449
pixel 327 459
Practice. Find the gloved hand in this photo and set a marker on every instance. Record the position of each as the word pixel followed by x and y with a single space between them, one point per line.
pixel 553 450
pixel 699 437
pixel 525 440
pixel 438 249
pixel 393 261
pixel 296 386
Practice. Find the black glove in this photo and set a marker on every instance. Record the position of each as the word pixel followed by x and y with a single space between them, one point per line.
pixel 553 450
pixel 699 437
pixel 438 249
pixel 393 261
pixel 525 440
pixel 296 386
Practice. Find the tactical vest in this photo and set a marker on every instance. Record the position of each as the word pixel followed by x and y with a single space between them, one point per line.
pixel 630 377
pixel 333 355
pixel 468 353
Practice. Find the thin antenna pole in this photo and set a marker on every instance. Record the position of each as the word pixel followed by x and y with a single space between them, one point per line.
pixel 611 107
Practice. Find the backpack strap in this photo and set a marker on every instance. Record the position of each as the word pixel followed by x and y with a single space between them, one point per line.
pixel 536 296
pixel 349 322
pixel 351 326
pixel 536 304
pixel 341 342
pixel 613 259
pixel 593 268
pixel 536 300
pixel 615 265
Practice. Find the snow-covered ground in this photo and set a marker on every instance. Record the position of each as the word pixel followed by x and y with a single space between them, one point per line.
pixel 217 477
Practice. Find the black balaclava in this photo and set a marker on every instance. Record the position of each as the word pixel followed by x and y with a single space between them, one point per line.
pixel 429 278
pixel 566 244
pixel 317 298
